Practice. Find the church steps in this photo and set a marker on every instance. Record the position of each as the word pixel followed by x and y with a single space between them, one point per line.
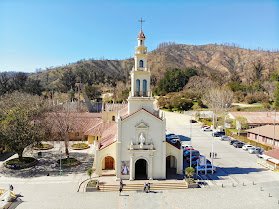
pixel 139 187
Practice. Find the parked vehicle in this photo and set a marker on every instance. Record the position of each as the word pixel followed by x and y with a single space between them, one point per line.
pixel 194 158
pixel 225 138
pixel 185 146
pixel 193 121
pixel 205 126
pixel 207 129
pixel 169 135
pixel 247 146
pixel 238 144
pixel 194 153
pixel 189 148
pixel 174 138
pixel 218 133
pixel 207 168
pixel 233 141
pixel 254 150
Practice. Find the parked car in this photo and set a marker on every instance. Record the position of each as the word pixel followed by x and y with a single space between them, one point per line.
pixel 225 138
pixel 207 129
pixel 185 146
pixel 233 141
pixel 194 158
pixel 205 126
pixel 169 135
pixel 207 168
pixel 238 144
pixel 247 146
pixel 218 133
pixel 188 148
pixel 254 150
pixel 175 138
pixel 194 153
pixel 193 121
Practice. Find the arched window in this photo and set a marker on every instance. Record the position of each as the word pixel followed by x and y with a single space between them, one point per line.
pixel 137 87
pixel 141 63
pixel 141 42
pixel 113 118
pixel 144 86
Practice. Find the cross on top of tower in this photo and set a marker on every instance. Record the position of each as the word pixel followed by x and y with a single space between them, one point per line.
pixel 141 21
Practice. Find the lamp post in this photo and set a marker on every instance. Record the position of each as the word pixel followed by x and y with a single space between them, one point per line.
pixel 274 129
pixel 212 154
pixel 226 106
pixel 191 142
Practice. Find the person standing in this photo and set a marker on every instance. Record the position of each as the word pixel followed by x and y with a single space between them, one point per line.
pixel 120 187
pixel 215 155
pixel 11 188
pixel 210 154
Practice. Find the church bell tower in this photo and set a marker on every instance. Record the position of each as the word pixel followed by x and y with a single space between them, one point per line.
pixel 140 95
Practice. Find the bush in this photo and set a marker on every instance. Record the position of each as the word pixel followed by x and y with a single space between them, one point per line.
pixel 80 145
pixel 66 161
pixel 25 160
pixel 257 97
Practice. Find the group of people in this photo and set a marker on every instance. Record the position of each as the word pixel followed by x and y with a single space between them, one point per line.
pixel 213 154
pixel 146 187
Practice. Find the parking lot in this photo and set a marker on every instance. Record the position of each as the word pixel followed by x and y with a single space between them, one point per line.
pixel 234 165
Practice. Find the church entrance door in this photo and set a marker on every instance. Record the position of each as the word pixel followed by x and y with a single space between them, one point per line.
pixel 141 169
pixel 171 166
pixel 109 163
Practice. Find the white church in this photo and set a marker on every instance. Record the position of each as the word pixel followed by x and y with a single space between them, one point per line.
pixel 131 142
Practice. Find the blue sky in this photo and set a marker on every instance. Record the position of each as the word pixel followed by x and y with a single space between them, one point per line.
pixel 44 33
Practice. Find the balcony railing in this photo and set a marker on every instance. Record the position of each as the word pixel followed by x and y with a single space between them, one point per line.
pixel 142 94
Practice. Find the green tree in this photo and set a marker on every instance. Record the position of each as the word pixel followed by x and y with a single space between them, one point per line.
pixel 93 92
pixel 68 79
pixel 22 121
pixel 90 172
pixel 276 95
pixel 189 172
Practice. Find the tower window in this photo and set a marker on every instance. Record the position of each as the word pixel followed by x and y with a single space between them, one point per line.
pixel 141 63
pixel 113 118
pixel 137 87
pixel 141 42
pixel 144 86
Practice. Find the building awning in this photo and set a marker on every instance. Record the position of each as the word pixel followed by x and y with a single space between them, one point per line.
pixel 273 160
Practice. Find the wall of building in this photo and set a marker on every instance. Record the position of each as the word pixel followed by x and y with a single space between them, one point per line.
pixel 263 140
pixel 107 116
pixel 156 131
pixel 178 154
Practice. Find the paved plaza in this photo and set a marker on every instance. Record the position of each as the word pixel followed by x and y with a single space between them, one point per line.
pixel 245 183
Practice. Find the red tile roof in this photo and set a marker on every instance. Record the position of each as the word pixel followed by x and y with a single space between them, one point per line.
pixel 141 34
pixel 258 117
pixel 115 107
pixel 273 153
pixel 98 129
pixel 140 110
pixel 267 131
pixel 109 136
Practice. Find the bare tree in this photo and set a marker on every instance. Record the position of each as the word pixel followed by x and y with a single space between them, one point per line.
pixel 218 98
pixel 62 122
pixel 199 84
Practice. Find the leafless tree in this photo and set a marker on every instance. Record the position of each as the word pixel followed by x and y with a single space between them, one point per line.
pixel 269 87
pixel 217 98
pixel 62 122
pixel 199 84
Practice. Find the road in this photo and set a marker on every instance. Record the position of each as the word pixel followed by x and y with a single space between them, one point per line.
pixel 234 165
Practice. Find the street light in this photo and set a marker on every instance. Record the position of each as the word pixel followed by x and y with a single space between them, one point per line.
pixel 226 106
pixel 274 129
pixel 191 141
pixel 212 154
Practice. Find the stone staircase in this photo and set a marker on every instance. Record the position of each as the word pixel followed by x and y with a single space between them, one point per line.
pixel 139 187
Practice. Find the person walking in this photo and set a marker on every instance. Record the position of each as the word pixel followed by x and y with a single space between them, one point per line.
pixel 215 155
pixel 120 187
pixel 210 154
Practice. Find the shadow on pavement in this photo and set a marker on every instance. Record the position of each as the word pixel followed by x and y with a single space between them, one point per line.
pixel 184 138
pixel 6 155
pixel 233 170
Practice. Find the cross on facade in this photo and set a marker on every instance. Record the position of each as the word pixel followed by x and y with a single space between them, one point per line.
pixel 141 21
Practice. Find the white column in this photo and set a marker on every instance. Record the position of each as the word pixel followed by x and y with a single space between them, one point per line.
pixel 131 167
pixel 150 170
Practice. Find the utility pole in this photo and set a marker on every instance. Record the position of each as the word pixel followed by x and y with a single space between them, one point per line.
pixel 274 129
pixel 212 153
pixel 225 117
pixel 191 142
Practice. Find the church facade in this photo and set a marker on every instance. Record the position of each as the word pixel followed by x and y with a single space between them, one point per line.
pixel 134 146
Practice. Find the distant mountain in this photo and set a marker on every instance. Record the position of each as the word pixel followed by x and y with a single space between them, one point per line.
pixel 208 59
